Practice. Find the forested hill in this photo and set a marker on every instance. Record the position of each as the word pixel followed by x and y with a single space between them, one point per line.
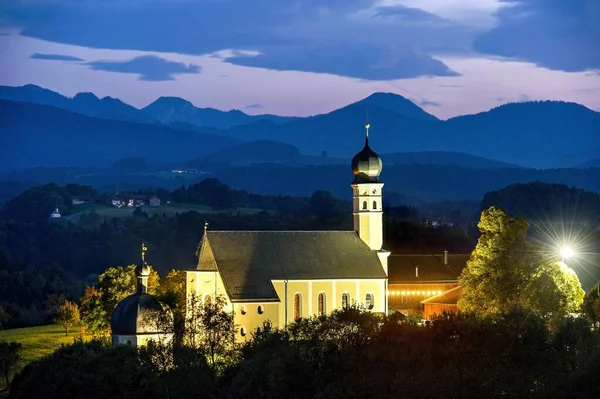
pixel 38 135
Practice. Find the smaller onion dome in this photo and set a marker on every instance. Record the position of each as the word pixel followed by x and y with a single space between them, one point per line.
pixel 139 314
pixel 366 165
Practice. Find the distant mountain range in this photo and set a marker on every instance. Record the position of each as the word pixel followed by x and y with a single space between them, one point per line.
pixel 533 134
pixel 171 110
pixel 41 135
pixel 83 103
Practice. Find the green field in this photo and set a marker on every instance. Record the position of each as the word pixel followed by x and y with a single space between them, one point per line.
pixel 38 342
pixel 169 210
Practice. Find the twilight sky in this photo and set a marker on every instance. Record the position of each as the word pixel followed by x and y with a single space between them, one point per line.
pixel 303 57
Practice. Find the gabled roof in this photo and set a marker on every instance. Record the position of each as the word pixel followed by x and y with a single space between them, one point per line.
pixel 431 268
pixel 449 297
pixel 248 260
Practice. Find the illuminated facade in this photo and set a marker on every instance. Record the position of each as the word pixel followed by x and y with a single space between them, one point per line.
pixel 280 276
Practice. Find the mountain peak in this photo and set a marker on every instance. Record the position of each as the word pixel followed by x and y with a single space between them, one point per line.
pixel 83 96
pixel 171 101
pixel 398 104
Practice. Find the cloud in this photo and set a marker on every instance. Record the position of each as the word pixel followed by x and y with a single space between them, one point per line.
pixel 557 34
pixel 54 57
pixel 253 106
pixel 425 102
pixel 362 62
pixel 407 13
pixel 149 67
pixel 523 98
pixel 454 86
pixel 354 38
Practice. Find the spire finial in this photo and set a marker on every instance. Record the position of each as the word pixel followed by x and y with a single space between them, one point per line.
pixel 144 249
pixel 205 226
pixel 367 126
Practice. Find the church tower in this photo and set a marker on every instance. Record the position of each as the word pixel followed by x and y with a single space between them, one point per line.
pixel 367 196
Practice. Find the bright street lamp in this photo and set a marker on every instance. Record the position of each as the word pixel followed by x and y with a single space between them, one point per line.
pixel 566 253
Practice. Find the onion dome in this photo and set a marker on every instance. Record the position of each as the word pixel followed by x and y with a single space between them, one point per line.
pixel 139 314
pixel 366 165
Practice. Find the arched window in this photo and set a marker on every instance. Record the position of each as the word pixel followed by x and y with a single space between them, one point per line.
pixel 243 331
pixel 365 205
pixel 374 204
pixel 128 342
pixel 261 310
pixel 297 306
pixel 321 304
pixel 345 300
pixel 369 303
pixel 207 300
pixel 243 310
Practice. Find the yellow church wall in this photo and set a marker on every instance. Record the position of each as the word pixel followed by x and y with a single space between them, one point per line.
pixel 247 317
pixel 204 283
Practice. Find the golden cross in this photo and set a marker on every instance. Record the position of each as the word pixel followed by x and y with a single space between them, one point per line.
pixel 144 249
pixel 367 126
pixel 205 226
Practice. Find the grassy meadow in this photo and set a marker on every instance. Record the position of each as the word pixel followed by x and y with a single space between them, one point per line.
pixel 38 342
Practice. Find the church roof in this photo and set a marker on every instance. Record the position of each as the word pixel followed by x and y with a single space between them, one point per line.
pixel 248 260
pixel 431 268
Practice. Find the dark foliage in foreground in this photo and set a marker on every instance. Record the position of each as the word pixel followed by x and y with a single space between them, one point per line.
pixel 348 354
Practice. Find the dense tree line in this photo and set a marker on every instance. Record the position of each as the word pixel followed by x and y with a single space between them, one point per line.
pixel 350 353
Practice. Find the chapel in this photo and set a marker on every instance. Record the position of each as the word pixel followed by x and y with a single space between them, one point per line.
pixel 281 276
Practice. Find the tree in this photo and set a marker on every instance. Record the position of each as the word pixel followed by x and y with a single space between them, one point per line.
pixel 93 311
pixel 172 292
pixel 53 303
pixel 498 268
pixel 10 353
pixel 212 329
pixel 68 315
pixel 114 285
pixel 553 290
pixel 3 317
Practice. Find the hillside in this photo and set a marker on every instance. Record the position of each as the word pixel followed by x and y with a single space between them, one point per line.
pixel 59 137
pixel 38 342
pixel 534 134
pixel 549 133
pixel 83 103
pixel 443 158
pixel 255 151
pixel 170 110
pixel 423 183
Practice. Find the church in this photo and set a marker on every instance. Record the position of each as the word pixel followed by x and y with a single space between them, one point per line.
pixel 281 276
